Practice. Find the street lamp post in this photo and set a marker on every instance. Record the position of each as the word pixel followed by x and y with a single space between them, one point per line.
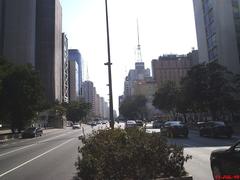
pixel 109 71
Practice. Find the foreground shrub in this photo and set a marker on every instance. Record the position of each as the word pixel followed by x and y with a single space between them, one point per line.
pixel 132 155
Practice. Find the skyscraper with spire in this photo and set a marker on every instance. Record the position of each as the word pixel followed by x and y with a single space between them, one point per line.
pixel 137 74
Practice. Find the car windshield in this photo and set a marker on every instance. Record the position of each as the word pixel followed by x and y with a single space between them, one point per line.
pixel 30 129
pixel 219 123
pixel 80 68
pixel 175 123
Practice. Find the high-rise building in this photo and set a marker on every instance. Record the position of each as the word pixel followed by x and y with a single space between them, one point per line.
pixel 172 67
pixel 31 32
pixel 218 32
pixel 88 93
pixel 137 74
pixel 74 55
pixel 73 81
pixel 65 70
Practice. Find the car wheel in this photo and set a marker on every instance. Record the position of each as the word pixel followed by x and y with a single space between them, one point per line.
pixel 216 172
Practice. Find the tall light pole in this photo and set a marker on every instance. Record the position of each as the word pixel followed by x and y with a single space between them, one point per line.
pixel 109 72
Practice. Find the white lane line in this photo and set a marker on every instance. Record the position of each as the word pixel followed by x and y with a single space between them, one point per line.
pixel 16 150
pixel 32 144
pixel 40 155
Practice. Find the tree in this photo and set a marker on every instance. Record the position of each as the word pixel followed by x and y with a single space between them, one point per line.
pixel 166 98
pixel 76 110
pixel 134 107
pixel 194 88
pixel 21 95
pixel 210 89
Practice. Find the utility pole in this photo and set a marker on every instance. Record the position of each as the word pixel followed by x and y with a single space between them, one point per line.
pixel 109 71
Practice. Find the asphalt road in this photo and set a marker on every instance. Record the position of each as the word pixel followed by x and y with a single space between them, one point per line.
pixel 53 155
pixel 200 148
pixel 49 157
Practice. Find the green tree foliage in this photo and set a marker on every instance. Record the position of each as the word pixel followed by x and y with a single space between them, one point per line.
pixel 194 87
pixel 166 98
pixel 77 110
pixel 21 94
pixel 210 88
pixel 134 107
pixel 134 154
pixel 207 88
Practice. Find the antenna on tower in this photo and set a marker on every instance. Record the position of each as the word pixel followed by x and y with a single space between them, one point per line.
pixel 139 54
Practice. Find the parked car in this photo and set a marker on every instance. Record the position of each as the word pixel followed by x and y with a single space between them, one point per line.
pixel 174 128
pixel 32 132
pixel 76 126
pixel 92 123
pixel 149 128
pixel 131 124
pixel 157 124
pixel 215 129
pixel 226 161
pixel 139 123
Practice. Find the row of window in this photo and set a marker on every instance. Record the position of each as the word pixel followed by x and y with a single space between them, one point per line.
pixel 212 42
pixel 236 15
pixel 207 5
pixel 212 54
pixel 174 63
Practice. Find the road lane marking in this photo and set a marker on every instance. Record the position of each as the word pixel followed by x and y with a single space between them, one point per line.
pixel 40 155
pixel 16 150
pixel 46 140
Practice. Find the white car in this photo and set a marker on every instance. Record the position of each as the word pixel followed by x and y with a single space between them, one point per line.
pixel 76 126
pixel 131 124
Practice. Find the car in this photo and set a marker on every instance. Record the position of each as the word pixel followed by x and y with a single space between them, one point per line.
pixel 92 123
pixel 174 128
pixel 131 124
pixel 149 128
pixel 104 121
pixel 139 123
pixel 226 161
pixel 157 124
pixel 76 126
pixel 215 129
pixel 32 132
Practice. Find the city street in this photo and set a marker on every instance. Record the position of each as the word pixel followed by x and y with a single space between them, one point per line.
pixel 200 148
pixel 51 156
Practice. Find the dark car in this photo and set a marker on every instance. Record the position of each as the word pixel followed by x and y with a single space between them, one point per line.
pixel 226 161
pixel 157 124
pixel 215 129
pixel 174 128
pixel 32 132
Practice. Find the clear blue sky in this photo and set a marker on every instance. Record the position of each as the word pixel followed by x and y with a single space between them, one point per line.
pixel 166 26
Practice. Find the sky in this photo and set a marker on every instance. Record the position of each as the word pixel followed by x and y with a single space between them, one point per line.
pixel 165 27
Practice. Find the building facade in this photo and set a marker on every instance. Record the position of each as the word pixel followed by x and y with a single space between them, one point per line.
pixel 89 93
pixel 218 32
pixel 31 32
pixel 172 67
pixel 65 70
pixel 73 81
pixel 139 73
pixel 75 55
